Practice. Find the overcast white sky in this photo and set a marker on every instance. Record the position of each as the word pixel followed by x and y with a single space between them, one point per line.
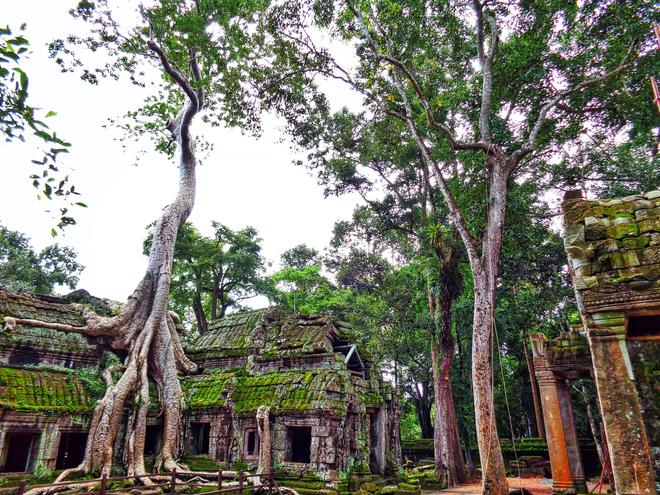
pixel 243 182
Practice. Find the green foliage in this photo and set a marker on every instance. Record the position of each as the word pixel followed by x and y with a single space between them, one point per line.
pixel 24 270
pixel 19 119
pixel 215 274
pixel 410 429
pixel 306 290
pixel 220 36
pixel 299 257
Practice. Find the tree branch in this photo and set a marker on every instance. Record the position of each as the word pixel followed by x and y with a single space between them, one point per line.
pixel 545 110
pixel 454 210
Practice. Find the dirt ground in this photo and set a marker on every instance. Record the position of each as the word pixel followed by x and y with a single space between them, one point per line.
pixel 534 485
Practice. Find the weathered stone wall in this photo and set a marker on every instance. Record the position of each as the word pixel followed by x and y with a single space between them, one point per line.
pixel 613 248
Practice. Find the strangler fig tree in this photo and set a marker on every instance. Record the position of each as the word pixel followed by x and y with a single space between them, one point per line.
pixel 196 51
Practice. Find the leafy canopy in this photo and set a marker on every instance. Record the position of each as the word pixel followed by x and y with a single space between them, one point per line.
pixel 19 119
pixel 22 269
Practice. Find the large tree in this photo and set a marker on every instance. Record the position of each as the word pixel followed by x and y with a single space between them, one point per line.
pixel 22 269
pixel 214 274
pixel 197 48
pixel 485 90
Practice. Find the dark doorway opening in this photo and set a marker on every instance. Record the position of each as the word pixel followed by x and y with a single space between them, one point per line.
pixel 374 445
pixel 153 439
pixel 644 327
pixel 300 440
pixel 71 451
pixel 201 433
pixel 251 443
pixel 21 451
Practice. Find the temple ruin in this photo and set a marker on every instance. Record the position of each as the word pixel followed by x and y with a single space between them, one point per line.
pixel 328 407
pixel 613 248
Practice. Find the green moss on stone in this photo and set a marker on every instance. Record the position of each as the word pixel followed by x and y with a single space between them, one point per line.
pixel 48 391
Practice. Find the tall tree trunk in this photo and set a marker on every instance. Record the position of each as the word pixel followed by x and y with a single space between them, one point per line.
pixel 423 409
pixel 144 328
pixel 198 308
pixel 538 413
pixel 485 273
pixel 214 299
pixel 593 425
pixel 492 462
pixel 447 449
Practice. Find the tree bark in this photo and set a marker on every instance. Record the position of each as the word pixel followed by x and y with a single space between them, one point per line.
pixel 448 457
pixel 423 409
pixel 538 413
pixel 265 465
pixel 145 328
pixel 485 272
pixel 202 324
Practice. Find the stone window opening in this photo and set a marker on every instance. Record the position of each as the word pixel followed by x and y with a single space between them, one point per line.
pixel 20 451
pixel 201 433
pixel 299 440
pixel 71 450
pixel 643 327
pixel 374 444
pixel 250 443
pixel 352 359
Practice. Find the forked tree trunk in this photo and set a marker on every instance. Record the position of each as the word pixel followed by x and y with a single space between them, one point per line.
pixel 198 308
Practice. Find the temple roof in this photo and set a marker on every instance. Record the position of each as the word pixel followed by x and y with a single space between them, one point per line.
pixel 274 334
pixel 51 309
pixel 614 248
pixel 47 390
pixel 291 391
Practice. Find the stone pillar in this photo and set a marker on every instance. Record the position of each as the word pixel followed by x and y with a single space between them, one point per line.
pixel 562 479
pixel 570 436
pixel 627 440
pixel 3 450
pixel 49 442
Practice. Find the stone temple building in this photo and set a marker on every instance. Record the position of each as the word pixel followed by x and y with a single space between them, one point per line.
pixel 330 409
pixel 613 249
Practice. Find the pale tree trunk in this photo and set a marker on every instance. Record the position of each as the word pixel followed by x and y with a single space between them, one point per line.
pixel 485 273
pixel 144 327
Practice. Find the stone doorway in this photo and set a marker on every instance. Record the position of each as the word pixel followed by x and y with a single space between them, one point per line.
pixel 300 443
pixel 20 451
pixel 72 449
pixel 201 433
pixel 375 464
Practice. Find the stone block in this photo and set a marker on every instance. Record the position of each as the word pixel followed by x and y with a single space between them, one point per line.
pixel 369 487
pixel 623 230
pixel 622 219
pixel 650 225
pixel 595 232
pixel 582 283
